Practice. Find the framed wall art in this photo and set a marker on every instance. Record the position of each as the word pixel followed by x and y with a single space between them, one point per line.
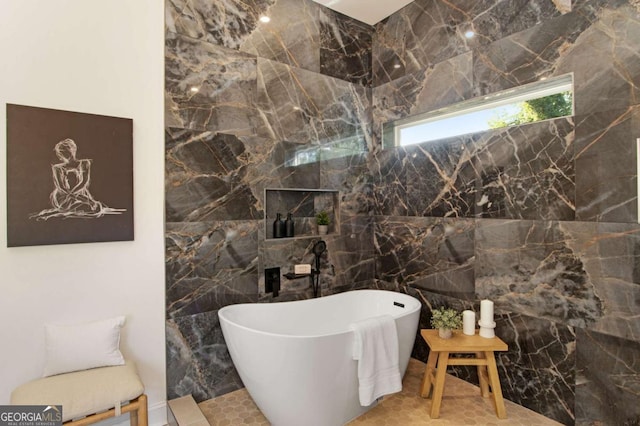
pixel 69 177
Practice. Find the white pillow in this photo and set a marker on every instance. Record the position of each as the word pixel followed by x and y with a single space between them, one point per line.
pixel 82 346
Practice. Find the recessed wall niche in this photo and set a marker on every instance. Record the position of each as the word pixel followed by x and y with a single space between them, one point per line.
pixel 303 204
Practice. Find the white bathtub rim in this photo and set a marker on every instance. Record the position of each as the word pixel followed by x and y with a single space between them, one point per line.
pixel 222 317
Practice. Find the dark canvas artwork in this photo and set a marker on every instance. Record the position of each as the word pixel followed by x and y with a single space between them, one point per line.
pixel 69 177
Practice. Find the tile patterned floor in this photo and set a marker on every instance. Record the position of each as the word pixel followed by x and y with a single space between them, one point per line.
pixel 461 405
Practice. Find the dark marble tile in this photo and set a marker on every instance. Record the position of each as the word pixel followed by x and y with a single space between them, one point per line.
pixel 205 177
pixel 533 268
pixel 610 255
pixel 210 265
pixel 303 292
pixel 441 178
pixel 345 47
pixel 226 23
pixel 608 380
pixel 526 172
pixel 414 38
pixel 592 8
pixel 305 107
pixel 389 182
pixel 213 176
pixel 362 285
pixel 292 37
pixel 208 87
pixel 389 286
pixel 606 169
pixel 578 273
pixel 428 253
pixel 273 165
pixel 494 20
pixel 352 255
pixel 526 56
pixel 522 172
pixel 427 32
pixel 350 176
pixel 538 370
pixel 198 363
pixel 605 59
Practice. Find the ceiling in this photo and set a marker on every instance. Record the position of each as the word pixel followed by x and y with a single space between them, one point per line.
pixel 367 11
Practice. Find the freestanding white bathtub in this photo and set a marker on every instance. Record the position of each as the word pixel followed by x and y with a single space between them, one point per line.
pixel 295 358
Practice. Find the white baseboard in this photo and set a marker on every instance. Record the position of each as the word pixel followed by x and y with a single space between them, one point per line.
pixel 158 414
pixel 157 417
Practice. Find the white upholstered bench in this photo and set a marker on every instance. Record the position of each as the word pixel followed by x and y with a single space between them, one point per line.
pixel 89 396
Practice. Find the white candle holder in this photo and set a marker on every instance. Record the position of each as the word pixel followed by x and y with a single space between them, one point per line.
pixel 487 329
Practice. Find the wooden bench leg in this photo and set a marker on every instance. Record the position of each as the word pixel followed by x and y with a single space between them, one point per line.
pixel 496 389
pixel 482 376
pixel 138 416
pixel 133 418
pixel 142 413
pixel 443 360
pixel 429 374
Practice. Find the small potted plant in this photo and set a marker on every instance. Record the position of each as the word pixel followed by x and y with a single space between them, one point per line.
pixel 445 320
pixel 322 219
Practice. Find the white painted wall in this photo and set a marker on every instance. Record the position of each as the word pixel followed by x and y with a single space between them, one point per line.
pixel 101 57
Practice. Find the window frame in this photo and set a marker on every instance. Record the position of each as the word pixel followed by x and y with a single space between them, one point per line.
pixel 535 90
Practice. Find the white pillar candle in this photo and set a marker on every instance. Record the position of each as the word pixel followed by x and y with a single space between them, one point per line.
pixel 469 323
pixel 486 312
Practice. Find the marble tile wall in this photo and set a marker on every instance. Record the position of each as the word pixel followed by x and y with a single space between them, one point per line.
pixel 541 218
pixel 243 100
pixel 301 33
pixel 426 32
pixel 607 379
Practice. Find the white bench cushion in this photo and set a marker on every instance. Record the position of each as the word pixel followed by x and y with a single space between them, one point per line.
pixel 82 392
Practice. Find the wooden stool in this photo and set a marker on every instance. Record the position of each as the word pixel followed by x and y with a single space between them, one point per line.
pixel 483 349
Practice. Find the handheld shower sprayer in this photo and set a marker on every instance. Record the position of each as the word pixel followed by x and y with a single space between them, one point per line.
pixel 318 249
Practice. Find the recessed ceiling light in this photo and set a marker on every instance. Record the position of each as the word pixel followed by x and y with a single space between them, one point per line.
pixel 469 34
pixel 194 89
pixel 396 66
pixel 265 19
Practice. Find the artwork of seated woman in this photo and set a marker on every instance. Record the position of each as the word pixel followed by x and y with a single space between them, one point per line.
pixel 71 197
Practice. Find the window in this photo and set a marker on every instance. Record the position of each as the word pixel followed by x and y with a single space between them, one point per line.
pixel 542 100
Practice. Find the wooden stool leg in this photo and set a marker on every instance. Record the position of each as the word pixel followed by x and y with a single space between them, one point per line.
pixel 443 360
pixel 482 376
pixel 496 389
pixel 429 372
